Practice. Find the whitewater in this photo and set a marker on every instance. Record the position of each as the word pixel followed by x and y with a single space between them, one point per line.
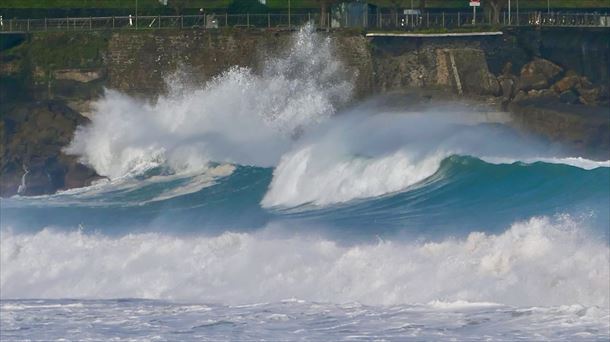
pixel 271 205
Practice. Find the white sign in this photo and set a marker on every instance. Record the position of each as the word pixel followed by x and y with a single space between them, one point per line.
pixel 475 4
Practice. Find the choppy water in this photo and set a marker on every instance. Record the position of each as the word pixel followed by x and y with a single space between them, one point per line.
pixel 254 209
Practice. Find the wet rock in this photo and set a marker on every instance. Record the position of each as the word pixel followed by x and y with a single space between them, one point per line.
pixel 569 97
pixel 542 93
pixel 589 96
pixel 539 74
pixel 33 136
pixel 508 87
pixel 566 83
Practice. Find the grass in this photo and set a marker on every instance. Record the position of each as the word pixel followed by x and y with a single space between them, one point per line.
pixel 106 4
pixel 452 4
pixel 283 4
pixel 79 50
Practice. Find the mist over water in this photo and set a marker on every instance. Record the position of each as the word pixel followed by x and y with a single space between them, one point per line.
pixel 258 188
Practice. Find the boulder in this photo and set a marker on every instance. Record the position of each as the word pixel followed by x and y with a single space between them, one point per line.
pixel 33 136
pixel 589 96
pixel 507 85
pixel 568 96
pixel 566 83
pixel 539 74
pixel 546 93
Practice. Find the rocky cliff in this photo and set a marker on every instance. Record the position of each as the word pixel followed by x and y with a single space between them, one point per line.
pixel 48 81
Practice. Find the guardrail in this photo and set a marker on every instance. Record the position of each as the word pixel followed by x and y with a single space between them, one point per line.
pixel 405 22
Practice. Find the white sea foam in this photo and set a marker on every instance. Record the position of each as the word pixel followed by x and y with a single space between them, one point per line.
pixel 238 117
pixel 283 118
pixel 540 262
pixel 288 320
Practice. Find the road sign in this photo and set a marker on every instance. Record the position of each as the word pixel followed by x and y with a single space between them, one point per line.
pixel 475 3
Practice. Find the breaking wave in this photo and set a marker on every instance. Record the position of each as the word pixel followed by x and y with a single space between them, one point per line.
pixel 539 262
pixel 238 117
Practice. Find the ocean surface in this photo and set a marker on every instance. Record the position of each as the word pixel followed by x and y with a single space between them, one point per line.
pixel 270 206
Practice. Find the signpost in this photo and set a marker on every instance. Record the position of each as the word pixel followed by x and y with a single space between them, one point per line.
pixel 474 4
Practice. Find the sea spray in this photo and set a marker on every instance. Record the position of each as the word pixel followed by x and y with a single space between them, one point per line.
pixel 237 117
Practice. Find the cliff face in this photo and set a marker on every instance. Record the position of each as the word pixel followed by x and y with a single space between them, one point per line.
pixel 45 78
pixel 138 63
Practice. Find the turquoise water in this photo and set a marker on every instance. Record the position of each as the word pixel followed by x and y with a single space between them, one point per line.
pixel 269 206
pixel 464 193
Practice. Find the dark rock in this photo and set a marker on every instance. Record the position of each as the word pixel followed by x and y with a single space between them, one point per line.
pixel 508 86
pixel 589 96
pixel 539 94
pixel 33 136
pixel 539 74
pixel 569 97
pixel 584 129
pixel 566 83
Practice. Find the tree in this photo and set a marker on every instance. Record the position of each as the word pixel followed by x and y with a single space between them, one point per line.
pixel 324 6
pixel 422 6
pixel 247 6
pixel 495 7
pixel 178 5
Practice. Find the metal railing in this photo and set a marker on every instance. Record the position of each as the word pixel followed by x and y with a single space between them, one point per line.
pixel 378 21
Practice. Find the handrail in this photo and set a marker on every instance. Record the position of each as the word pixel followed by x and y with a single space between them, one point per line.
pixel 376 21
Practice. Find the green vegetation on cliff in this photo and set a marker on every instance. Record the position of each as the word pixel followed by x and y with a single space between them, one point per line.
pixel 78 50
pixel 152 5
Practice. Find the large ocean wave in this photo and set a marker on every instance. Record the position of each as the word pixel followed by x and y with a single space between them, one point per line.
pixel 257 188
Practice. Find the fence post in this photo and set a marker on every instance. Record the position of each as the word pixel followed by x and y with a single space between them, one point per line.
pixel 182 21
pixel 459 20
pixel 226 19
pixel 28 25
pixel 328 20
pixel 248 20
pixel 268 20
pixel 90 23
pixel 443 19
pixel 159 23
